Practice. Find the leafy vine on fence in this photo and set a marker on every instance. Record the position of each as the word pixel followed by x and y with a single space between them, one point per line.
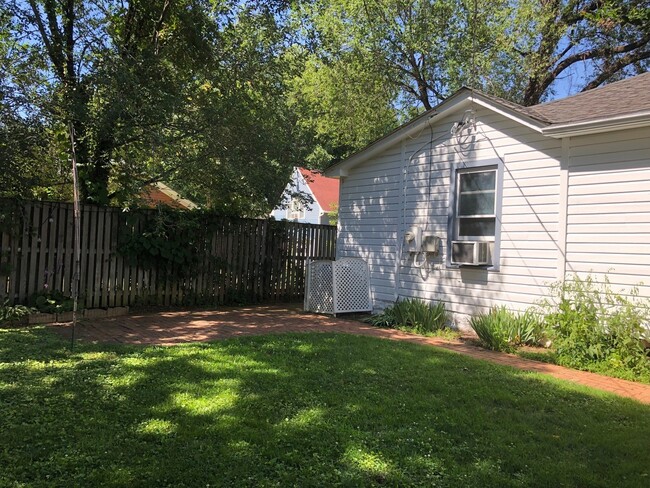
pixel 11 220
pixel 167 240
pixel 174 242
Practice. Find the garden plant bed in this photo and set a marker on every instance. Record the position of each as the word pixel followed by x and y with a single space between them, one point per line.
pixel 302 409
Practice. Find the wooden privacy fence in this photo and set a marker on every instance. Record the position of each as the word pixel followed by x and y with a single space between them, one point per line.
pixel 238 260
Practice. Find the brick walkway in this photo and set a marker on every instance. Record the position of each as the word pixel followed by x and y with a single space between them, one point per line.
pixel 167 328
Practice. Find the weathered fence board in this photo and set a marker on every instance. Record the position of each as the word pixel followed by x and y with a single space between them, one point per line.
pixel 250 260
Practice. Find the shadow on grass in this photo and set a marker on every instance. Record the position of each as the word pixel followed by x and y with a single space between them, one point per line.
pixel 301 410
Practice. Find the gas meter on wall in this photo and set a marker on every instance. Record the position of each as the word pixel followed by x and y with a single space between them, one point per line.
pixel 413 239
pixel 430 243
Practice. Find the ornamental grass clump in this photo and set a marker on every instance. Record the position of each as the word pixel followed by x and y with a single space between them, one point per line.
pixel 503 330
pixel 413 313
pixel 385 318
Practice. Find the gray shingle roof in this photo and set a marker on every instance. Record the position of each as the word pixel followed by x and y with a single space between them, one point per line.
pixel 527 111
pixel 626 97
pixel 620 98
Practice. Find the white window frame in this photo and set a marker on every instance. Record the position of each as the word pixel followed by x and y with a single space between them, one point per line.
pixel 453 223
pixel 296 210
pixel 493 215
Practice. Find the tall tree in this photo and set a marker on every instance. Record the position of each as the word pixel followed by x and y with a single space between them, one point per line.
pixel 161 90
pixel 342 105
pixel 110 69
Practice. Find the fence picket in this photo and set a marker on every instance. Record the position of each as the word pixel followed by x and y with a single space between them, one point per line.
pixel 51 264
pixel 34 250
pixel 5 254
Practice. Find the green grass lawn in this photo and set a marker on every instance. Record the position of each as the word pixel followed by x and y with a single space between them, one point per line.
pixel 302 410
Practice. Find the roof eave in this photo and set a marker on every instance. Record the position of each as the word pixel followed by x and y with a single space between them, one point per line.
pixel 596 126
pixel 174 195
pixel 457 101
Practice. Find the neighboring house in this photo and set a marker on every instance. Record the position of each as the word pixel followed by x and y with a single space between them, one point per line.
pixel 160 194
pixel 523 196
pixel 309 197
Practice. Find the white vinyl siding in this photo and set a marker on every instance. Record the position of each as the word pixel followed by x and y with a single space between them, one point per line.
pixel 608 216
pixel 408 185
pixel 603 230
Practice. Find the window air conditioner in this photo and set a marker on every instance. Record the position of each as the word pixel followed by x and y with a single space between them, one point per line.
pixel 470 253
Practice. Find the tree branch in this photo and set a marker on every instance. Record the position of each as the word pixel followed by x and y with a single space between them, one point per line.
pixel 598 53
pixel 532 96
pixel 49 47
pixel 159 25
pixel 155 179
pixel 68 27
pixel 611 69
pixel 571 17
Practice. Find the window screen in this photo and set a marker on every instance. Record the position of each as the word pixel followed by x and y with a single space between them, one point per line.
pixel 476 203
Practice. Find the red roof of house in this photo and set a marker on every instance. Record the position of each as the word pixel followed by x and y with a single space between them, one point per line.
pixel 325 190
pixel 160 194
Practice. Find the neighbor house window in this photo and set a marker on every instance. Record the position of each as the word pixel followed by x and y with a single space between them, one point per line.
pixel 476 204
pixel 296 209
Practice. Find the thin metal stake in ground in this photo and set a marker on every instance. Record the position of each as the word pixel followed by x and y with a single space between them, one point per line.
pixel 77 235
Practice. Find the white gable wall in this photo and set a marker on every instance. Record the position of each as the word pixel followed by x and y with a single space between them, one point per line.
pixel 608 217
pixel 382 197
pixel 313 211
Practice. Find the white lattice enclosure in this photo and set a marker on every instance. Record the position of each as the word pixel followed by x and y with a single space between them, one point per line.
pixel 338 286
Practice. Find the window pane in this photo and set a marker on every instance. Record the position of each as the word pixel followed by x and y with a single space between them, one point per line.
pixel 477 181
pixel 476 227
pixel 296 205
pixel 476 204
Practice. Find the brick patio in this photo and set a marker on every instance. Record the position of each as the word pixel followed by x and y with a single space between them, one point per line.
pixel 176 327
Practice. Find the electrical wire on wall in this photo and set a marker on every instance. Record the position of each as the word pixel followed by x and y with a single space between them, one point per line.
pixel 456 132
pixel 463 139
pixel 405 178
pixel 459 136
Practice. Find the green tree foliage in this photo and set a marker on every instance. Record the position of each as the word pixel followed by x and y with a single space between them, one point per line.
pixel 423 50
pixel 341 107
pixel 420 51
pixel 28 167
pixel 191 92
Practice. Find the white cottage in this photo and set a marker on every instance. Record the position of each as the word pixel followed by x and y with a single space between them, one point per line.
pixel 481 202
pixel 309 197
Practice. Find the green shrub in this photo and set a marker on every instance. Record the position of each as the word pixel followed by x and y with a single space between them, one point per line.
pixel 595 328
pixel 9 313
pixel 503 330
pixel 414 314
pixel 53 302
